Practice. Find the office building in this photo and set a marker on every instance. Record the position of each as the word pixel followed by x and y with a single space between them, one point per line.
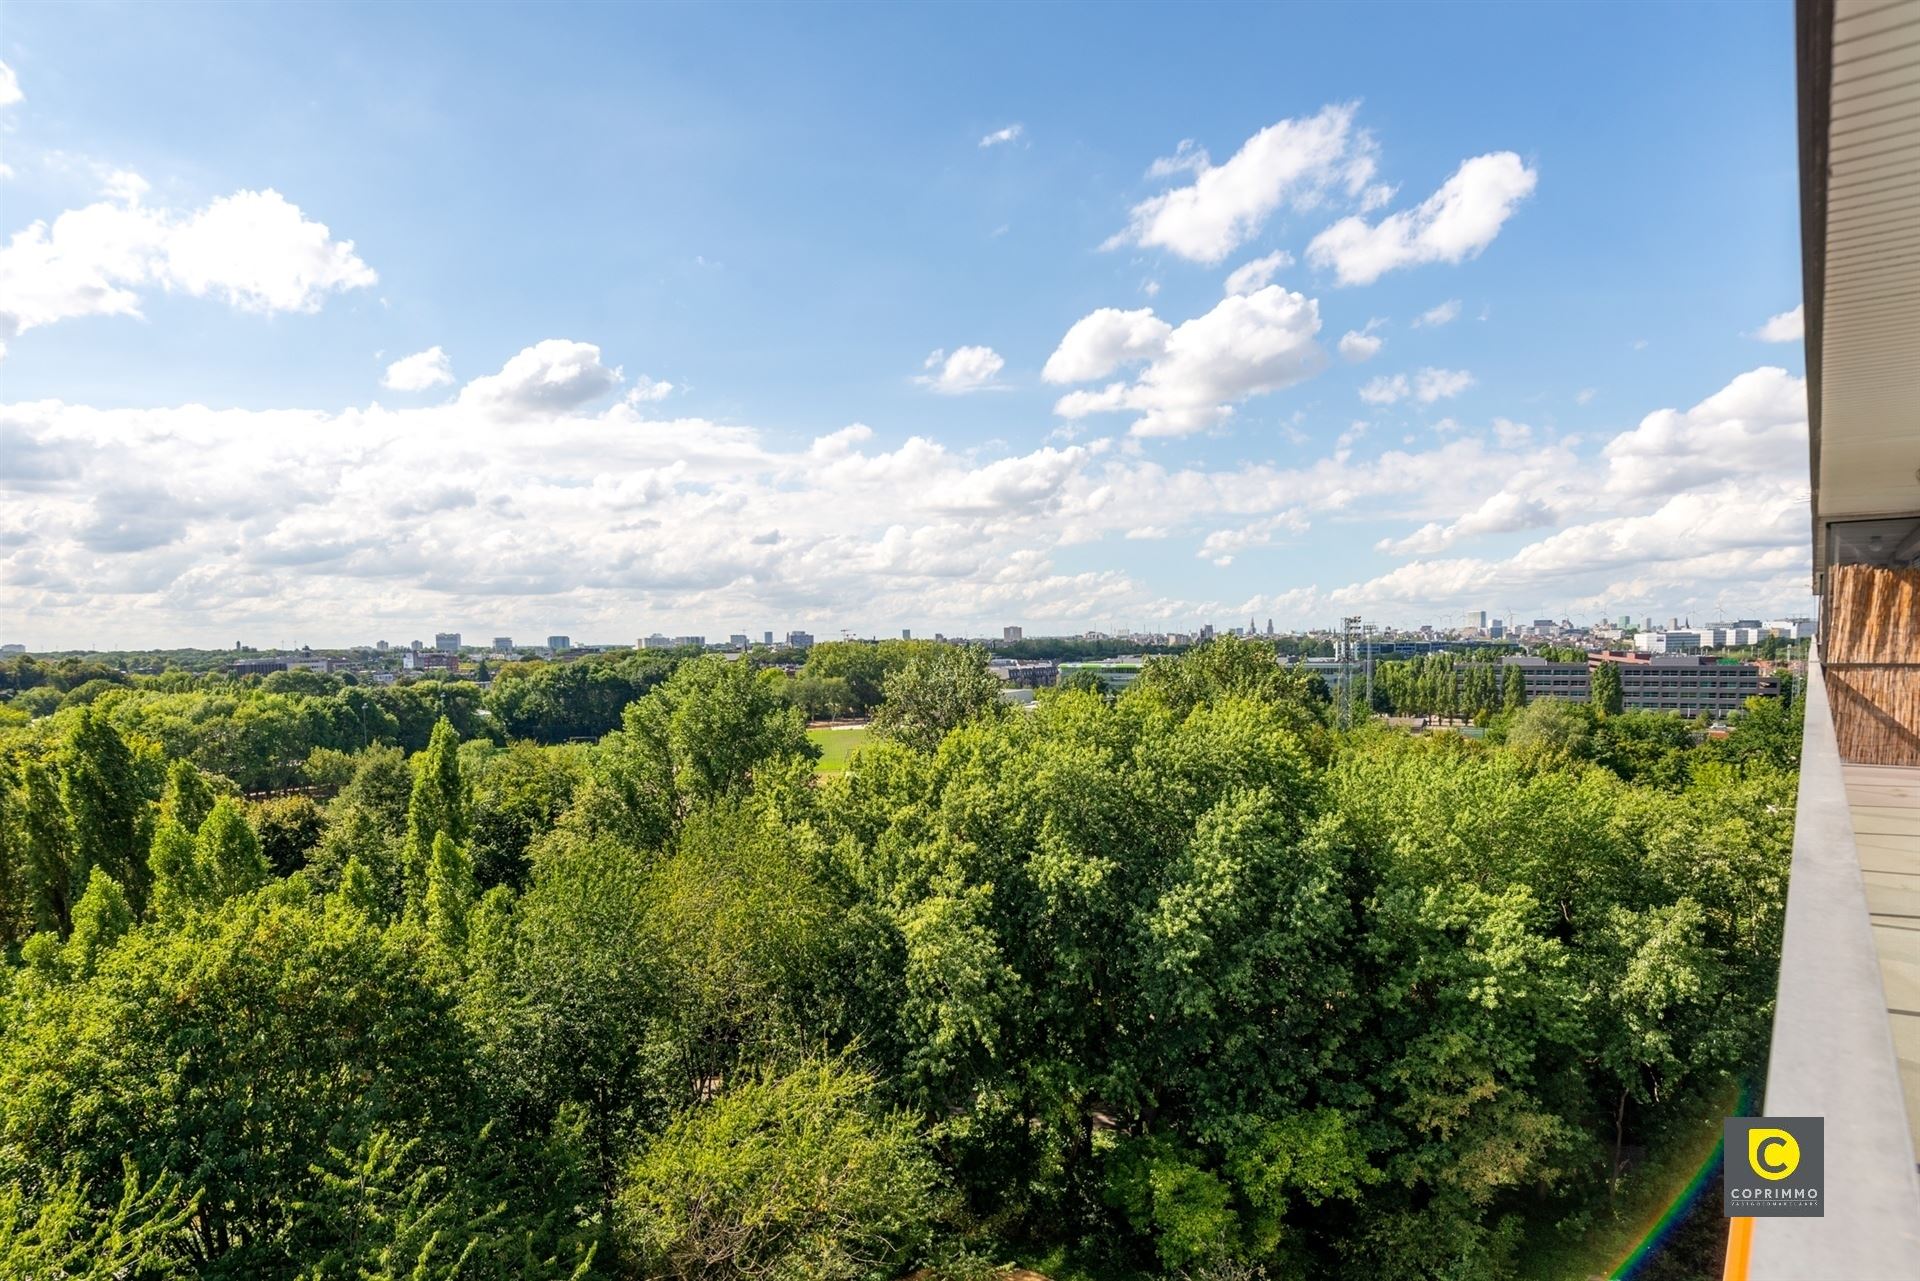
pixel 558 643
pixel 503 644
pixel 1010 634
pixel 799 640
pixel 738 640
pixel 447 642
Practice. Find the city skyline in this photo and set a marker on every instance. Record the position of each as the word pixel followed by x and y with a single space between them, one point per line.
pixel 1093 342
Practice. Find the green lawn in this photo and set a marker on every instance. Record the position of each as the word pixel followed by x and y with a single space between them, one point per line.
pixel 836 745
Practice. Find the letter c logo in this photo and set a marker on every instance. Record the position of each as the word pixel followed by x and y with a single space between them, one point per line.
pixel 1772 1154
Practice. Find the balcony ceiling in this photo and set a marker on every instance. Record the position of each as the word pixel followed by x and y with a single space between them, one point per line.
pixel 1861 223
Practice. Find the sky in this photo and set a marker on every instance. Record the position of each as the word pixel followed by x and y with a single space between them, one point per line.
pixel 333 323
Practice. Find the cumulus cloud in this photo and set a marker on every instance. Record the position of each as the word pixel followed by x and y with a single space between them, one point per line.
pixel 1385 390
pixel 1226 205
pixel 1360 345
pixel 1194 373
pixel 649 391
pixel 1009 134
pixel 1430 385
pixel 1257 274
pixel 1788 326
pixel 9 86
pixel 1444 314
pixel 1454 223
pixel 600 520
pixel 553 375
pixel 964 370
pixel 1222 545
pixel 255 250
pixel 419 372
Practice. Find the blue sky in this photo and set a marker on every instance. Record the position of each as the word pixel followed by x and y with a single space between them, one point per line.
pixel 685 270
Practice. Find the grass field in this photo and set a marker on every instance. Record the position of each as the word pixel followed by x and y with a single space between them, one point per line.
pixel 836 744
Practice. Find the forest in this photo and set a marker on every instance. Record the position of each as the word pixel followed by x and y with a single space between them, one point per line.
pixel 594 976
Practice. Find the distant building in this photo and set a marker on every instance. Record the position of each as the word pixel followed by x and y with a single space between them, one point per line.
pixel 799 640
pixel 503 644
pixel 906 633
pixel 1792 628
pixel 1477 619
pixel 12 651
pixel 380 646
pixel 257 666
pixel 738 640
pixel 1671 641
pixel 1010 634
pixel 447 642
pixel 558 643
pixel 1021 673
pixel 1685 684
pixel 767 639
pixel 655 641
pixel 430 661
pixel 1206 632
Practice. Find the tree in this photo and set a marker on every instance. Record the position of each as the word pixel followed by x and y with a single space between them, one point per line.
pixel 99 919
pixel 47 856
pixel 797 1175
pixel 289 827
pixel 187 799
pixel 178 887
pixel 437 805
pixel 105 803
pixel 1605 693
pixel 698 738
pixel 934 691
pixel 1559 728
pixel 449 893
pixel 226 853
pixel 1513 688
pixel 248 1064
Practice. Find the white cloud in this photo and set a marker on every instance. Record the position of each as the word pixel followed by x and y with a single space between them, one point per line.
pixel 1444 314
pixel 649 391
pixel 420 371
pixel 967 369
pixel 552 376
pixel 1385 390
pixel 1226 205
pixel 9 86
pixel 1009 134
pixel 348 525
pixel 1754 426
pixel 1430 385
pixel 1358 346
pixel 253 249
pixel 1222 545
pixel 1585 395
pixel 1788 326
pixel 1456 222
pixel 1195 373
pixel 1101 341
pixel 1258 273
pixel 1426 386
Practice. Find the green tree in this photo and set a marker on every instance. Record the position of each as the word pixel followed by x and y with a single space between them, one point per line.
pixel 47 853
pixel 436 806
pixel 1606 693
pixel 227 854
pixel 105 803
pixel 804 1174
pixel 188 799
pixel 934 691
pixel 289 828
pixel 1513 693
pixel 449 893
pixel 100 918
pixel 178 886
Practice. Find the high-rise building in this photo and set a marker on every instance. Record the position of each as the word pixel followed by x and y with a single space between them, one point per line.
pixel 799 640
pixel 1010 634
pixel 767 640
pixel 1478 618
pixel 906 633
pixel 738 640
pixel 503 644
pixel 558 643
pixel 447 642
